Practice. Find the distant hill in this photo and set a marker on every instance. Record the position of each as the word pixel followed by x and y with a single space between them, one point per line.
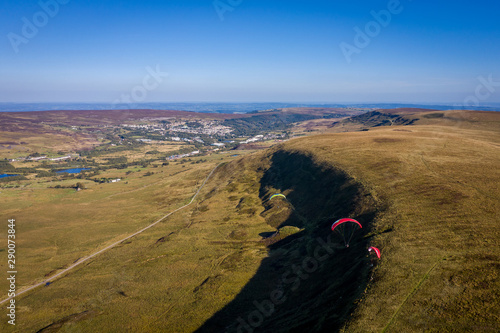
pixel 248 124
pixel 414 116
pixel 102 117
pixel 55 127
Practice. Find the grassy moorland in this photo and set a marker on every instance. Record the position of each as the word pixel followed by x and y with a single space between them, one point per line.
pixel 154 271
pixel 56 226
pixel 427 195
pixel 439 180
pixel 434 194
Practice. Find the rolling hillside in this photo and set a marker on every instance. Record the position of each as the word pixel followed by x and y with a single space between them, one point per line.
pixel 434 212
pixel 426 193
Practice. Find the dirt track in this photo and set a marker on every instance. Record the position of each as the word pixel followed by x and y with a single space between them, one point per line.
pixel 84 259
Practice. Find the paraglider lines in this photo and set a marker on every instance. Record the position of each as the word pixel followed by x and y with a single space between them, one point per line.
pixel 346 228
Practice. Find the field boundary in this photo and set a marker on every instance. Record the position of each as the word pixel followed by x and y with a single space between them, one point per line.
pixel 84 259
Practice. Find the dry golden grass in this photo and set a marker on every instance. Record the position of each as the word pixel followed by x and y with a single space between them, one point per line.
pixel 434 184
pixel 28 143
pixel 147 283
pixel 439 269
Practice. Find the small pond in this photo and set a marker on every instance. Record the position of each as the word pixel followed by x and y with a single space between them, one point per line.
pixel 75 170
pixel 7 175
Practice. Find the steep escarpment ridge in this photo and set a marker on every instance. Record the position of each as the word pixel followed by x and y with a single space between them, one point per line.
pixel 439 269
pixel 435 187
pixel 309 280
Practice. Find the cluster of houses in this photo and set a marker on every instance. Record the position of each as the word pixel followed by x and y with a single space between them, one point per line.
pixel 204 127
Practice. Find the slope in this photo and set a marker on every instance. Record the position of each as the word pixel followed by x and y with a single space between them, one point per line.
pixel 440 267
pixel 437 184
pixel 427 195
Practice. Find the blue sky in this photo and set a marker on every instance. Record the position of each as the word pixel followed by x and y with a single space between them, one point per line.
pixel 254 51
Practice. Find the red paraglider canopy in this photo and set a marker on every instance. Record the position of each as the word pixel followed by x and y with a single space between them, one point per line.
pixel 339 222
pixel 346 230
pixel 377 251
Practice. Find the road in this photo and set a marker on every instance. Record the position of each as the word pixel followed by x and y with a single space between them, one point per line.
pixel 87 258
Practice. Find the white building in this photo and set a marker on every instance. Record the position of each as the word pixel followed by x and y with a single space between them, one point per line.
pixel 61 158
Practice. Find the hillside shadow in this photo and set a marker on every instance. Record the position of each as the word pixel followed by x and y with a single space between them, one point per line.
pixel 309 282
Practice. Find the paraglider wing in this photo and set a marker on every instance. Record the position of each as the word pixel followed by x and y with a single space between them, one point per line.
pixel 277 196
pixel 346 228
pixel 374 249
pixel 341 221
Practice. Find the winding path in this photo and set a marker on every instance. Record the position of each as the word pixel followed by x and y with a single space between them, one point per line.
pixel 84 259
